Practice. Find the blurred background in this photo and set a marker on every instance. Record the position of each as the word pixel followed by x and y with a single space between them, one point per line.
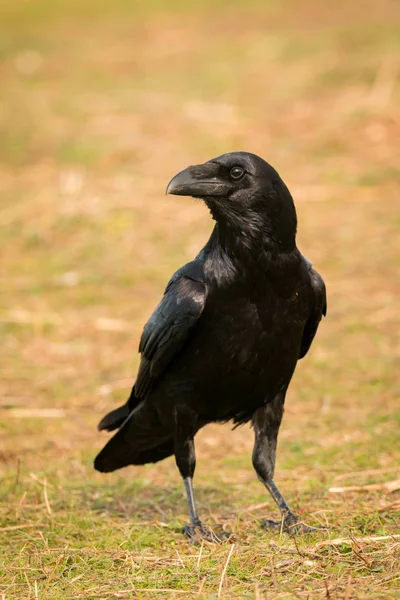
pixel 101 104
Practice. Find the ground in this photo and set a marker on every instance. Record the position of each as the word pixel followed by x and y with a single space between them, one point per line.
pixel 101 104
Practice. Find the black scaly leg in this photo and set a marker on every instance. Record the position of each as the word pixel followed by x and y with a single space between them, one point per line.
pixel 266 423
pixel 185 429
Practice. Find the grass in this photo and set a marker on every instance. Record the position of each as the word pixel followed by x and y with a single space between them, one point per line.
pixel 101 104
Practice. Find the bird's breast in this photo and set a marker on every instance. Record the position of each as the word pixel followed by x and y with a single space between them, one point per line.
pixel 242 351
pixel 250 329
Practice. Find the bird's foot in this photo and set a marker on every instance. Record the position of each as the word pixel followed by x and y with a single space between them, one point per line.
pixel 198 532
pixel 290 524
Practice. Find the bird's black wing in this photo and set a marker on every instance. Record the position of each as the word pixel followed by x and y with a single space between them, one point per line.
pixel 142 437
pixel 167 329
pixel 318 309
pixel 164 335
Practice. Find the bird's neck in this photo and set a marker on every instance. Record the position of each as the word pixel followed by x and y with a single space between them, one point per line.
pixel 253 238
pixel 246 253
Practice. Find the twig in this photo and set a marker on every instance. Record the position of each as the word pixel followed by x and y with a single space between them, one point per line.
pixel 368 538
pixel 358 549
pixel 43 482
pixel 273 575
pixel 14 527
pixel 293 550
pixel 390 577
pixel 353 474
pixel 348 588
pixel 28 582
pixel 392 506
pixel 180 559
pixel 389 486
pixel 328 596
pixel 224 570
pixel 255 507
pixel 200 555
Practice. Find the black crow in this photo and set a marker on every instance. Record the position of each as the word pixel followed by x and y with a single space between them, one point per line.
pixel 224 341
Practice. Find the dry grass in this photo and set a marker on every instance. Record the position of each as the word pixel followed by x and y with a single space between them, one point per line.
pixel 101 104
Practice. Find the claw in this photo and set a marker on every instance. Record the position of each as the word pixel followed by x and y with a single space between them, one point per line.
pixel 291 524
pixel 199 532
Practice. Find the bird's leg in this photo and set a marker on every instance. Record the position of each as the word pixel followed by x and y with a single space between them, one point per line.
pixel 193 514
pixel 266 423
pixel 185 428
pixel 196 530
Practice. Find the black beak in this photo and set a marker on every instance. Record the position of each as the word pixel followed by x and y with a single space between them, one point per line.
pixel 198 181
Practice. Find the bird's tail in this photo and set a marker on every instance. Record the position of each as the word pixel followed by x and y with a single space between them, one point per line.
pixel 114 419
pixel 141 439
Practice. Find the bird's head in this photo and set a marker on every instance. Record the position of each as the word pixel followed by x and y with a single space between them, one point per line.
pixel 245 196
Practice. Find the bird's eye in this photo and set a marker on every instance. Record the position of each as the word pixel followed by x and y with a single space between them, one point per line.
pixel 236 172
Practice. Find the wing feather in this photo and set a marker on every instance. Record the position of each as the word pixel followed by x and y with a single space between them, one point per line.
pixel 319 307
pixel 168 328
